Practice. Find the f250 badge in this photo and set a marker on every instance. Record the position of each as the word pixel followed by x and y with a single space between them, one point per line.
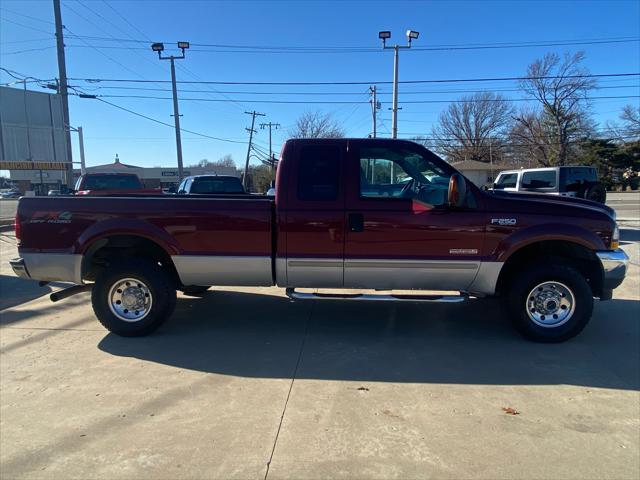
pixel 503 221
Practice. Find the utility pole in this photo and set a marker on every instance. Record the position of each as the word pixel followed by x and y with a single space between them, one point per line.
pixel 374 108
pixel 245 180
pixel 384 36
pixel 62 73
pixel 270 125
pixel 159 47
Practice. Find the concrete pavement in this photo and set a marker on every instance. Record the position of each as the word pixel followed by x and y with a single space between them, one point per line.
pixel 244 384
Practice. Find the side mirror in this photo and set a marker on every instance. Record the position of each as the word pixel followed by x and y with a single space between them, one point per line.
pixel 457 190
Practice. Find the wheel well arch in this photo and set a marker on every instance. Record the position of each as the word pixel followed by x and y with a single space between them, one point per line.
pixel 117 247
pixel 568 253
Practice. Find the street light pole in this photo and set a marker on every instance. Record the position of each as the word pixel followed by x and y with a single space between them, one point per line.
pixel 159 47
pixel 176 118
pixel 394 112
pixel 384 36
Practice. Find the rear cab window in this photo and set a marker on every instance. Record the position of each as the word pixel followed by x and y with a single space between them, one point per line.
pixel 111 182
pixel 318 173
pixel 204 185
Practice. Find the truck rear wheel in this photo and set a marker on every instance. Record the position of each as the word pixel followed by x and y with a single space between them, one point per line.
pixel 133 297
pixel 549 303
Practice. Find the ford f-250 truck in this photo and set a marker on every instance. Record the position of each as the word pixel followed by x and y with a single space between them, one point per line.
pixel 348 213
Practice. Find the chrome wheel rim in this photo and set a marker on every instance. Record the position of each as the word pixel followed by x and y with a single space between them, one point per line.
pixel 550 304
pixel 130 299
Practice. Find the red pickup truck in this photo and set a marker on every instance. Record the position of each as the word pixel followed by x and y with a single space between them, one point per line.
pixel 348 213
pixel 110 184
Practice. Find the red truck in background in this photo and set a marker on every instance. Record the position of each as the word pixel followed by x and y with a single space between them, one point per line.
pixel 110 184
pixel 348 213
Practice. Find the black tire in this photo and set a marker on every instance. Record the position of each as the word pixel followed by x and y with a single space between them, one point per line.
pixel 597 193
pixel 195 290
pixel 560 276
pixel 159 288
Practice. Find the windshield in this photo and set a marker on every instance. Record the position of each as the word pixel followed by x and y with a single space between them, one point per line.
pixel 112 182
pixel 217 185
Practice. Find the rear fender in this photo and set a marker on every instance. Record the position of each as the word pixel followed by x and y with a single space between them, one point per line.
pixel 126 226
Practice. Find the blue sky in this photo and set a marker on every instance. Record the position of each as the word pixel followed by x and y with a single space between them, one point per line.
pixel 27 46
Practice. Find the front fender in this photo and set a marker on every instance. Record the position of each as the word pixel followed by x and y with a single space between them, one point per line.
pixel 547 232
pixel 126 226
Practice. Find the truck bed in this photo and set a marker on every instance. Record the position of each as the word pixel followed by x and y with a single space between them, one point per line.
pixel 211 239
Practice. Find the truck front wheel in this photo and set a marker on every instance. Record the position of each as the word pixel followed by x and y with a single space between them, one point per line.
pixel 549 303
pixel 133 297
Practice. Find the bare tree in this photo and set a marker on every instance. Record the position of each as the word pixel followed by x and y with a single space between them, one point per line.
pixel 225 161
pixel 561 86
pixel 630 117
pixel 316 125
pixel 473 127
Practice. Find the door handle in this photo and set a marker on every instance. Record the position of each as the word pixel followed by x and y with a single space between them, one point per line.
pixel 356 222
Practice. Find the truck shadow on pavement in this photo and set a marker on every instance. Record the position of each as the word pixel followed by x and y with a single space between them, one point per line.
pixel 257 335
pixel 15 290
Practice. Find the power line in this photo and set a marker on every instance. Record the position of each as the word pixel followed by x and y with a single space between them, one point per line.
pixel 167 124
pixel 221 48
pixel 4 9
pixel 354 93
pixel 29 50
pixel 458 80
pixel 26 26
pixel 349 102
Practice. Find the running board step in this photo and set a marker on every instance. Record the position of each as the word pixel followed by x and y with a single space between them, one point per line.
pixel 293 295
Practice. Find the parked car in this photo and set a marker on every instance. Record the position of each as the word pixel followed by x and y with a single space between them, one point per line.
pixel 53 193
pixel 208 184
pixel 11 194
pixel 570 181
pixel 111 184
pixel 349 213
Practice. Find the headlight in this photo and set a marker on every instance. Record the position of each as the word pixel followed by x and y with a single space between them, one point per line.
pixel 615 238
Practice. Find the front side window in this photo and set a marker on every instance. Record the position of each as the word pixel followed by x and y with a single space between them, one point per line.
pixel 318 173
pixel 399 173
pixel 507 180
pixel 544 179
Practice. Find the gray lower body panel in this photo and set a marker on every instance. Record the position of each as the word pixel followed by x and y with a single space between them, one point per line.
pixel 63 267
pixel 409 274
pixel 223 270
pixel 470 276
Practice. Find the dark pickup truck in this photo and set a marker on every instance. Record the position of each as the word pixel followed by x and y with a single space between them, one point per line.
pixel 348 213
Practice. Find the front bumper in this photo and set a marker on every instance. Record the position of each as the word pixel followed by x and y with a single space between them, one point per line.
pixel 614 267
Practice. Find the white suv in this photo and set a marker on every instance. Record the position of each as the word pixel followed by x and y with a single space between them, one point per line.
pixel 570 181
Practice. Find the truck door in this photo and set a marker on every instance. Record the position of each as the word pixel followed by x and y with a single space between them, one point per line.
pixel 313 223
pixel 401 234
